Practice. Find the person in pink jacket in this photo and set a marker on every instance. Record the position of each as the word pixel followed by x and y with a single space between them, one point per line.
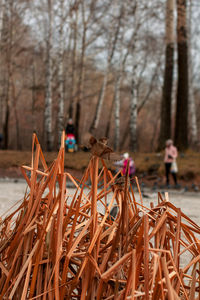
pixel 131 164
pixel 171 154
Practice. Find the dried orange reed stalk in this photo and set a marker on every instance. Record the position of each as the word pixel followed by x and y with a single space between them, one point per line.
pixel 61 246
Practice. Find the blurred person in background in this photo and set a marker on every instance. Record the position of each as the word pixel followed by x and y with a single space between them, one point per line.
pixel 171 154
pixel 122 164
pixel 70 129
pixel 70 140
pixel 126 159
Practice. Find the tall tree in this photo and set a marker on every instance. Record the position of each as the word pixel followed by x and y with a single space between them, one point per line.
pixel 139 60
pixel 133 113
pixel 117 94
pixel 111 51
pixel 88 21
pixel 138 101
pixel 2 12
pixel 117 113
pixel 7 39
pixel 74 34
pixel 181 126
pixel 13 46
pixel 165 126
pixel 192 104
pixel 61 72
pixel 48 82
pixel 16 114
pixel 81 71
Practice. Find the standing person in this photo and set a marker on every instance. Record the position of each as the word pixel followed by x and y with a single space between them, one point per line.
pixel 70 129
pixel 131 164
pixel 171 154
pixel 70 140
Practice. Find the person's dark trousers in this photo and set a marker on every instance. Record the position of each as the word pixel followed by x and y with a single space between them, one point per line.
pixel 174 177
pixel 167 172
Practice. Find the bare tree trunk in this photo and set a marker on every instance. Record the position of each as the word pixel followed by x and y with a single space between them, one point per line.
pixel 14 101
pixel 142 102
pixel 61 75
pixel 192 104
pixel 117 113
pixel 33 94
pixel 6 126
pixel 48 84
pixel 111 52
pixel 81 76
pixel 2 16
pixel 1 111
pixel 9 35
pixel 153 139
pixel 116 102
pixel 74 58
pixel 192 112
pixel 2 12
pixel 181 126
pixel 7 103
pixel 117 95
pixel 133 116
pixel 97 115
pixel 165 127
pixel 109 118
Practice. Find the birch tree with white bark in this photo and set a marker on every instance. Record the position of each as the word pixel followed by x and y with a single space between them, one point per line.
pixel 133 113
pixel 48 81
pixel 113 35
pixel 87 21
pixel 2 13
pixel 116 101
pixel 80 86
pixel 61 70
pixel 191 100
pixel 117 94
pixel 117 113
pixel 74 37
pixel 141 55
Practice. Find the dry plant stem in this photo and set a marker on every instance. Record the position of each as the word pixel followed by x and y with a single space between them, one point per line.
pixel 133 274
pixel 170 294
pixel 95 164
pixel 59 236
pixel 61 246
pixel 199 281
pixel 26 281
pixel 146 256
pixel 138 186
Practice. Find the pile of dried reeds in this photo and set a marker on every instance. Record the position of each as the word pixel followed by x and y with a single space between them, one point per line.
pixel 61 246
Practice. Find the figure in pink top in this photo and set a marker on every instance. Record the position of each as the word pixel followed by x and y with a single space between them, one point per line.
pixel 122 164
pixel 171 154
pixel 131 164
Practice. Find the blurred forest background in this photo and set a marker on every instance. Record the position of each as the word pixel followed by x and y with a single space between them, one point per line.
pixel 125 69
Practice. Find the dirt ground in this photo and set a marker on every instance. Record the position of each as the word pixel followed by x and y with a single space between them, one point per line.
pixel 149 166
pixel 15 173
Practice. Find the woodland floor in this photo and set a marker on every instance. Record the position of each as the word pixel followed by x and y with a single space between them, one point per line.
pixel 149 166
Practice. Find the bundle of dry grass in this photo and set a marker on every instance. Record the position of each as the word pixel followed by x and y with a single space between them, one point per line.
pixel 61 246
